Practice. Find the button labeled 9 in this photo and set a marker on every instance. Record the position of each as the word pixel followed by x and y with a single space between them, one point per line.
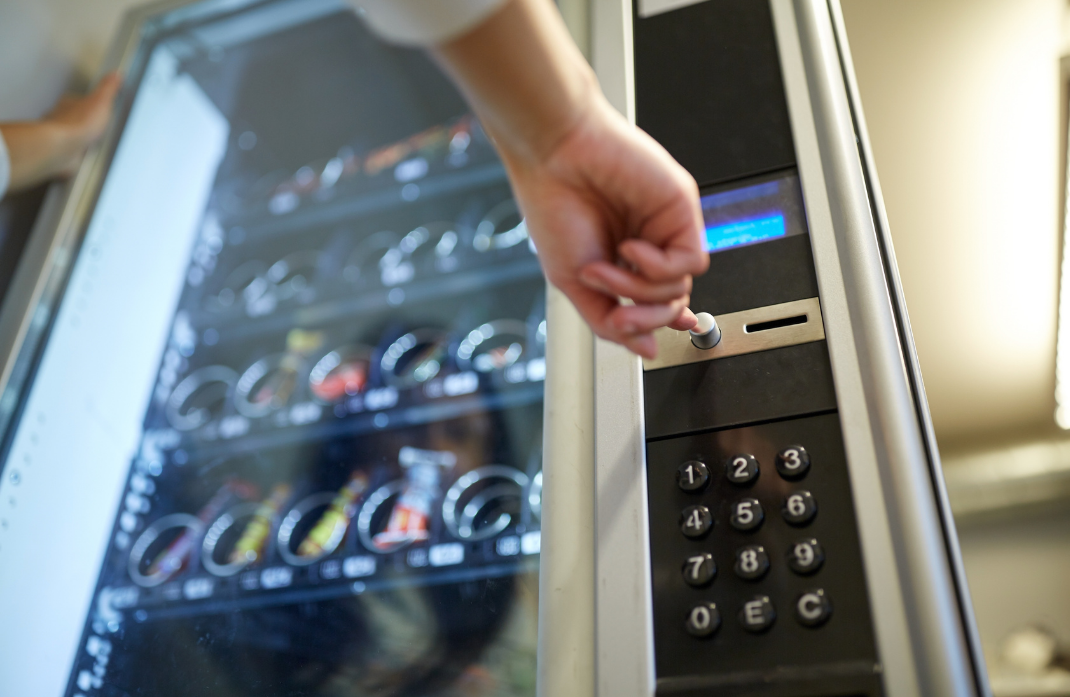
pixel 806 556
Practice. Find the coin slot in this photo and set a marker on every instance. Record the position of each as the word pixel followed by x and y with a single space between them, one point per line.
pixel 775 324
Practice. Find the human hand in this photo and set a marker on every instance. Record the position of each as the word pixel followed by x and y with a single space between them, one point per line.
pixel 53 147
pixel 614 216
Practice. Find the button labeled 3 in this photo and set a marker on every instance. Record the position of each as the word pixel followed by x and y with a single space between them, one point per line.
pixel 793 462
pixel 696 521
pixel 757 614
pixel 813 608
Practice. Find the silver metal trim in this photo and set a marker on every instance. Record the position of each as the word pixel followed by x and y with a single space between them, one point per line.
pixel 918 623
pixel 914 374
pixel 462 528
pixel 675 348
pixel 145 540
pixel 624 615
pixel 294 516
pixel 215 532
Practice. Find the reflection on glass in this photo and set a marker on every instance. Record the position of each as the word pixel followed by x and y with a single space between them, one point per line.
pixel 338 486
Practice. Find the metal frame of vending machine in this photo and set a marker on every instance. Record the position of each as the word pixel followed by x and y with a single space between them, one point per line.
pixel 743 92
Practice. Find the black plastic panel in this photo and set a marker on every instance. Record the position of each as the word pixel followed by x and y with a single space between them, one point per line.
pixel 708 88
pixel 775 384
pixel 836 658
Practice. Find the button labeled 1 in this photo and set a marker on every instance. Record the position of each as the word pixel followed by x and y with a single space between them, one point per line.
pixel 741 469
pixel 757 614
pixel 692 475
pixel 703 620
pixel 813 608
pixel 747 514
pixel 696 521
pixel 799 508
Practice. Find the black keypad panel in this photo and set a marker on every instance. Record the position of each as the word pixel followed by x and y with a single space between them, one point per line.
pixel 778 518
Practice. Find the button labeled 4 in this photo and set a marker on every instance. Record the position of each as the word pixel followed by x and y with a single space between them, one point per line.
pixel 696 521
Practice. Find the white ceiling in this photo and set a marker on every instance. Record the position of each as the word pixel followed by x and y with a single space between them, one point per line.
pixel 962 102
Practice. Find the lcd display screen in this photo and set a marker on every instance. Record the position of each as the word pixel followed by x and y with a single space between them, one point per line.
pixel 754 212
pixel 284 436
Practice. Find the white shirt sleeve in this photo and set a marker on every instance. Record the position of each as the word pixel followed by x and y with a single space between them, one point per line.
pixel 423 22
pixel 5 167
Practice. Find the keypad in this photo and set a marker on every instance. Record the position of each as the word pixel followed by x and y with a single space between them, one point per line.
pixel 793 462
pixel 692 475
pixel 747 514
pixel 757 614
pixel 696 521
pixel 741 469
pixel 799 508
pixel 699 569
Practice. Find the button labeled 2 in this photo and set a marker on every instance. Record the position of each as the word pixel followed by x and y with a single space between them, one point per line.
pixel 699 569
pixel 741 469
pixel 696 521
pixel 747 514
pixel 799 508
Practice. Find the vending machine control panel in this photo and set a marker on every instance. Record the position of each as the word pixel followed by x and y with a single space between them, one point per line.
pixel 757 574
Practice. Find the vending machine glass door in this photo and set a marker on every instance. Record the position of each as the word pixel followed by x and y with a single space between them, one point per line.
pixel 281 429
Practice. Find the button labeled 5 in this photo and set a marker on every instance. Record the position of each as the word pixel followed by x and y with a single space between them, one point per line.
pixel 747 514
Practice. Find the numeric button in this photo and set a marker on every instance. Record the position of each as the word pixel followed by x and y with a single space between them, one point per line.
pixel 757 614
pixel 806 556
pixel 699 569
pixel 751 562
pixel 793 462
pixel 696 521
pixel 747 514
pixel 813 608
pixel 741 469
pixel 799 508
pixel 703 620
pixel 692 475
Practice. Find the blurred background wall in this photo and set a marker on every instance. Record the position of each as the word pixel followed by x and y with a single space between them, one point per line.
pixel 965 105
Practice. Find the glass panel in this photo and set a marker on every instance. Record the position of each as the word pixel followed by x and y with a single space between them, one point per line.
pixel 293 394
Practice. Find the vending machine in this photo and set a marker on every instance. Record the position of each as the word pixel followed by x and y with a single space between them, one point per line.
pixel 287 407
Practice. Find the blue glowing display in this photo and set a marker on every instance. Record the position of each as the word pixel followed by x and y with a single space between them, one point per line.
pixel 740 232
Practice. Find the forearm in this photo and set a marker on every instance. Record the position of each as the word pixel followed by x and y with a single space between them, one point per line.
pixel 523 75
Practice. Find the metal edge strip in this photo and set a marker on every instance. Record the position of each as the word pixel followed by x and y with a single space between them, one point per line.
pixel 675 348
pixel 906 334
pixel 624 616
pixel 871 377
